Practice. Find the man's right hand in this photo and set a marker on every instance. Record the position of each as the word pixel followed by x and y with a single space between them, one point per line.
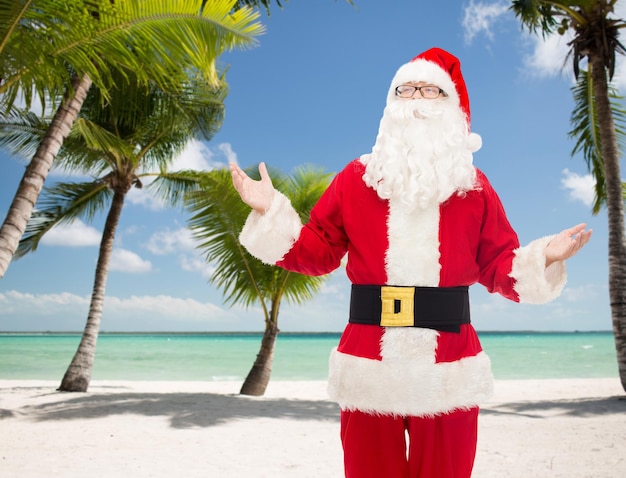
pixel 256 194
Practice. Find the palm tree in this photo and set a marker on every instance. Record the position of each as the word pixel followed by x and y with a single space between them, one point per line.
pixel 596 40
pixel 218 219
pixel 58 49
pixel 119 147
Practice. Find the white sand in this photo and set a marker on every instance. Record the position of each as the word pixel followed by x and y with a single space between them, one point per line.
pixel 530 429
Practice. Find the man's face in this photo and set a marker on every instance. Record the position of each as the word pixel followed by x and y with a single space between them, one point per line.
pixel 420 90
pixel 403 109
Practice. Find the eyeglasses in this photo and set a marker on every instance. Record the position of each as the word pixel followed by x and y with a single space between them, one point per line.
pixel 428 92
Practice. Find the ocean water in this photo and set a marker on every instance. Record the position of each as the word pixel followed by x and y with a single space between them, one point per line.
pixel 224 356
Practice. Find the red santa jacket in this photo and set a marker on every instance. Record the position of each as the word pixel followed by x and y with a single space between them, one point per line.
pixel 465 240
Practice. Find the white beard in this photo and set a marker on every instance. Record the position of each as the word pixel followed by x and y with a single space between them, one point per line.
pixel 421 155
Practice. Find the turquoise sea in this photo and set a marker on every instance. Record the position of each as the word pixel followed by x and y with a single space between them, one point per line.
pixel 229 356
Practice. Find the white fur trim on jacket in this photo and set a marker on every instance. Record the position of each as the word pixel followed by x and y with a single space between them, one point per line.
pixel 270 236
pixel 407 227
pixel 409 384
pixel 536 284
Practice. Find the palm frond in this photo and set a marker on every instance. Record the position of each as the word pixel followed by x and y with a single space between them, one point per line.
pixel 174 186
pixel 535 15
pixel 301 288
pixel 55 39
pixel 304 188
pixel 265 3
pixel 103 142
pixel 257 3
pixel 21 132
pixel 186 30
pixel 218 215
pixel 28 41
pixel 193 111
pixel 586 131
pixel 62 204
pixel 11 13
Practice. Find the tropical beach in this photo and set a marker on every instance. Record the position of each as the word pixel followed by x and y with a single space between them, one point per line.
pixel 530 428
pixel 129 175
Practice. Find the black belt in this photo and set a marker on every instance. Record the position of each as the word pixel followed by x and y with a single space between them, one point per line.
pixel 439 308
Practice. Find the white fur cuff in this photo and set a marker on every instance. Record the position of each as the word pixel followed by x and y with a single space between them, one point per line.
pixel 536 284
pixel 270 236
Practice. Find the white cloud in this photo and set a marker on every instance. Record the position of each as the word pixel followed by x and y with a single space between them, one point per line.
pixel 485 304
pixel 549 56
pixel 337 285
pixel 123 260
pixel 48 304
pixel 227 150
pixel 76 234
pixel 479 17
pixel 332 289
pixel 197 264
pixel 143 197
pixel 66 311
pixel 198 156
pixel 165 306
pixel 13 302
pixel 168 241
pixel 583 293
pixel 181 242
pixel 35 103
pixel 581 188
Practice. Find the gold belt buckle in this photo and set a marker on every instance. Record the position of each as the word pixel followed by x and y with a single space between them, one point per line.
pixel 391 298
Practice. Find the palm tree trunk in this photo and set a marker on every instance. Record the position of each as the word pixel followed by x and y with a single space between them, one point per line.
pixel 78 374
pixel 37 170
pixel 615 210
pixel 259 376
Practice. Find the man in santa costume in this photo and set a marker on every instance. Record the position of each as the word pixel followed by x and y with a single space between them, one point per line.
pixel 419 224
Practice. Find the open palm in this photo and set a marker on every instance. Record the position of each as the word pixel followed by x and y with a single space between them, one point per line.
pixel 256 194
pixel 567 243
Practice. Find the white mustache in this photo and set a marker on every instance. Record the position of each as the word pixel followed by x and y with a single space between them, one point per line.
pixel 415 109
pixel 426 111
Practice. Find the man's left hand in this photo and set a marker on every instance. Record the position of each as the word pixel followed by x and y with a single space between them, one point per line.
pixel 567 243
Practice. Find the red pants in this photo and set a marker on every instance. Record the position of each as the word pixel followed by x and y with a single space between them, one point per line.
pixel 441 447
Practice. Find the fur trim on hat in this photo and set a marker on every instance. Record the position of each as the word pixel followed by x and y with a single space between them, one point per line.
pixel 426 71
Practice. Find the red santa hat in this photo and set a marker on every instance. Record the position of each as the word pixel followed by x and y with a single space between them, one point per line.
pixel 440 68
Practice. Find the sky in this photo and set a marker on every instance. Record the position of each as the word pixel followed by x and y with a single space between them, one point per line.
pixel 312 92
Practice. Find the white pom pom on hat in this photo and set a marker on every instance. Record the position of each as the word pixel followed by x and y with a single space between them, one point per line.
pixel 474 142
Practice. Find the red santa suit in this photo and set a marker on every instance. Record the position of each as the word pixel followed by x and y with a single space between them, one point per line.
pixel 390 374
